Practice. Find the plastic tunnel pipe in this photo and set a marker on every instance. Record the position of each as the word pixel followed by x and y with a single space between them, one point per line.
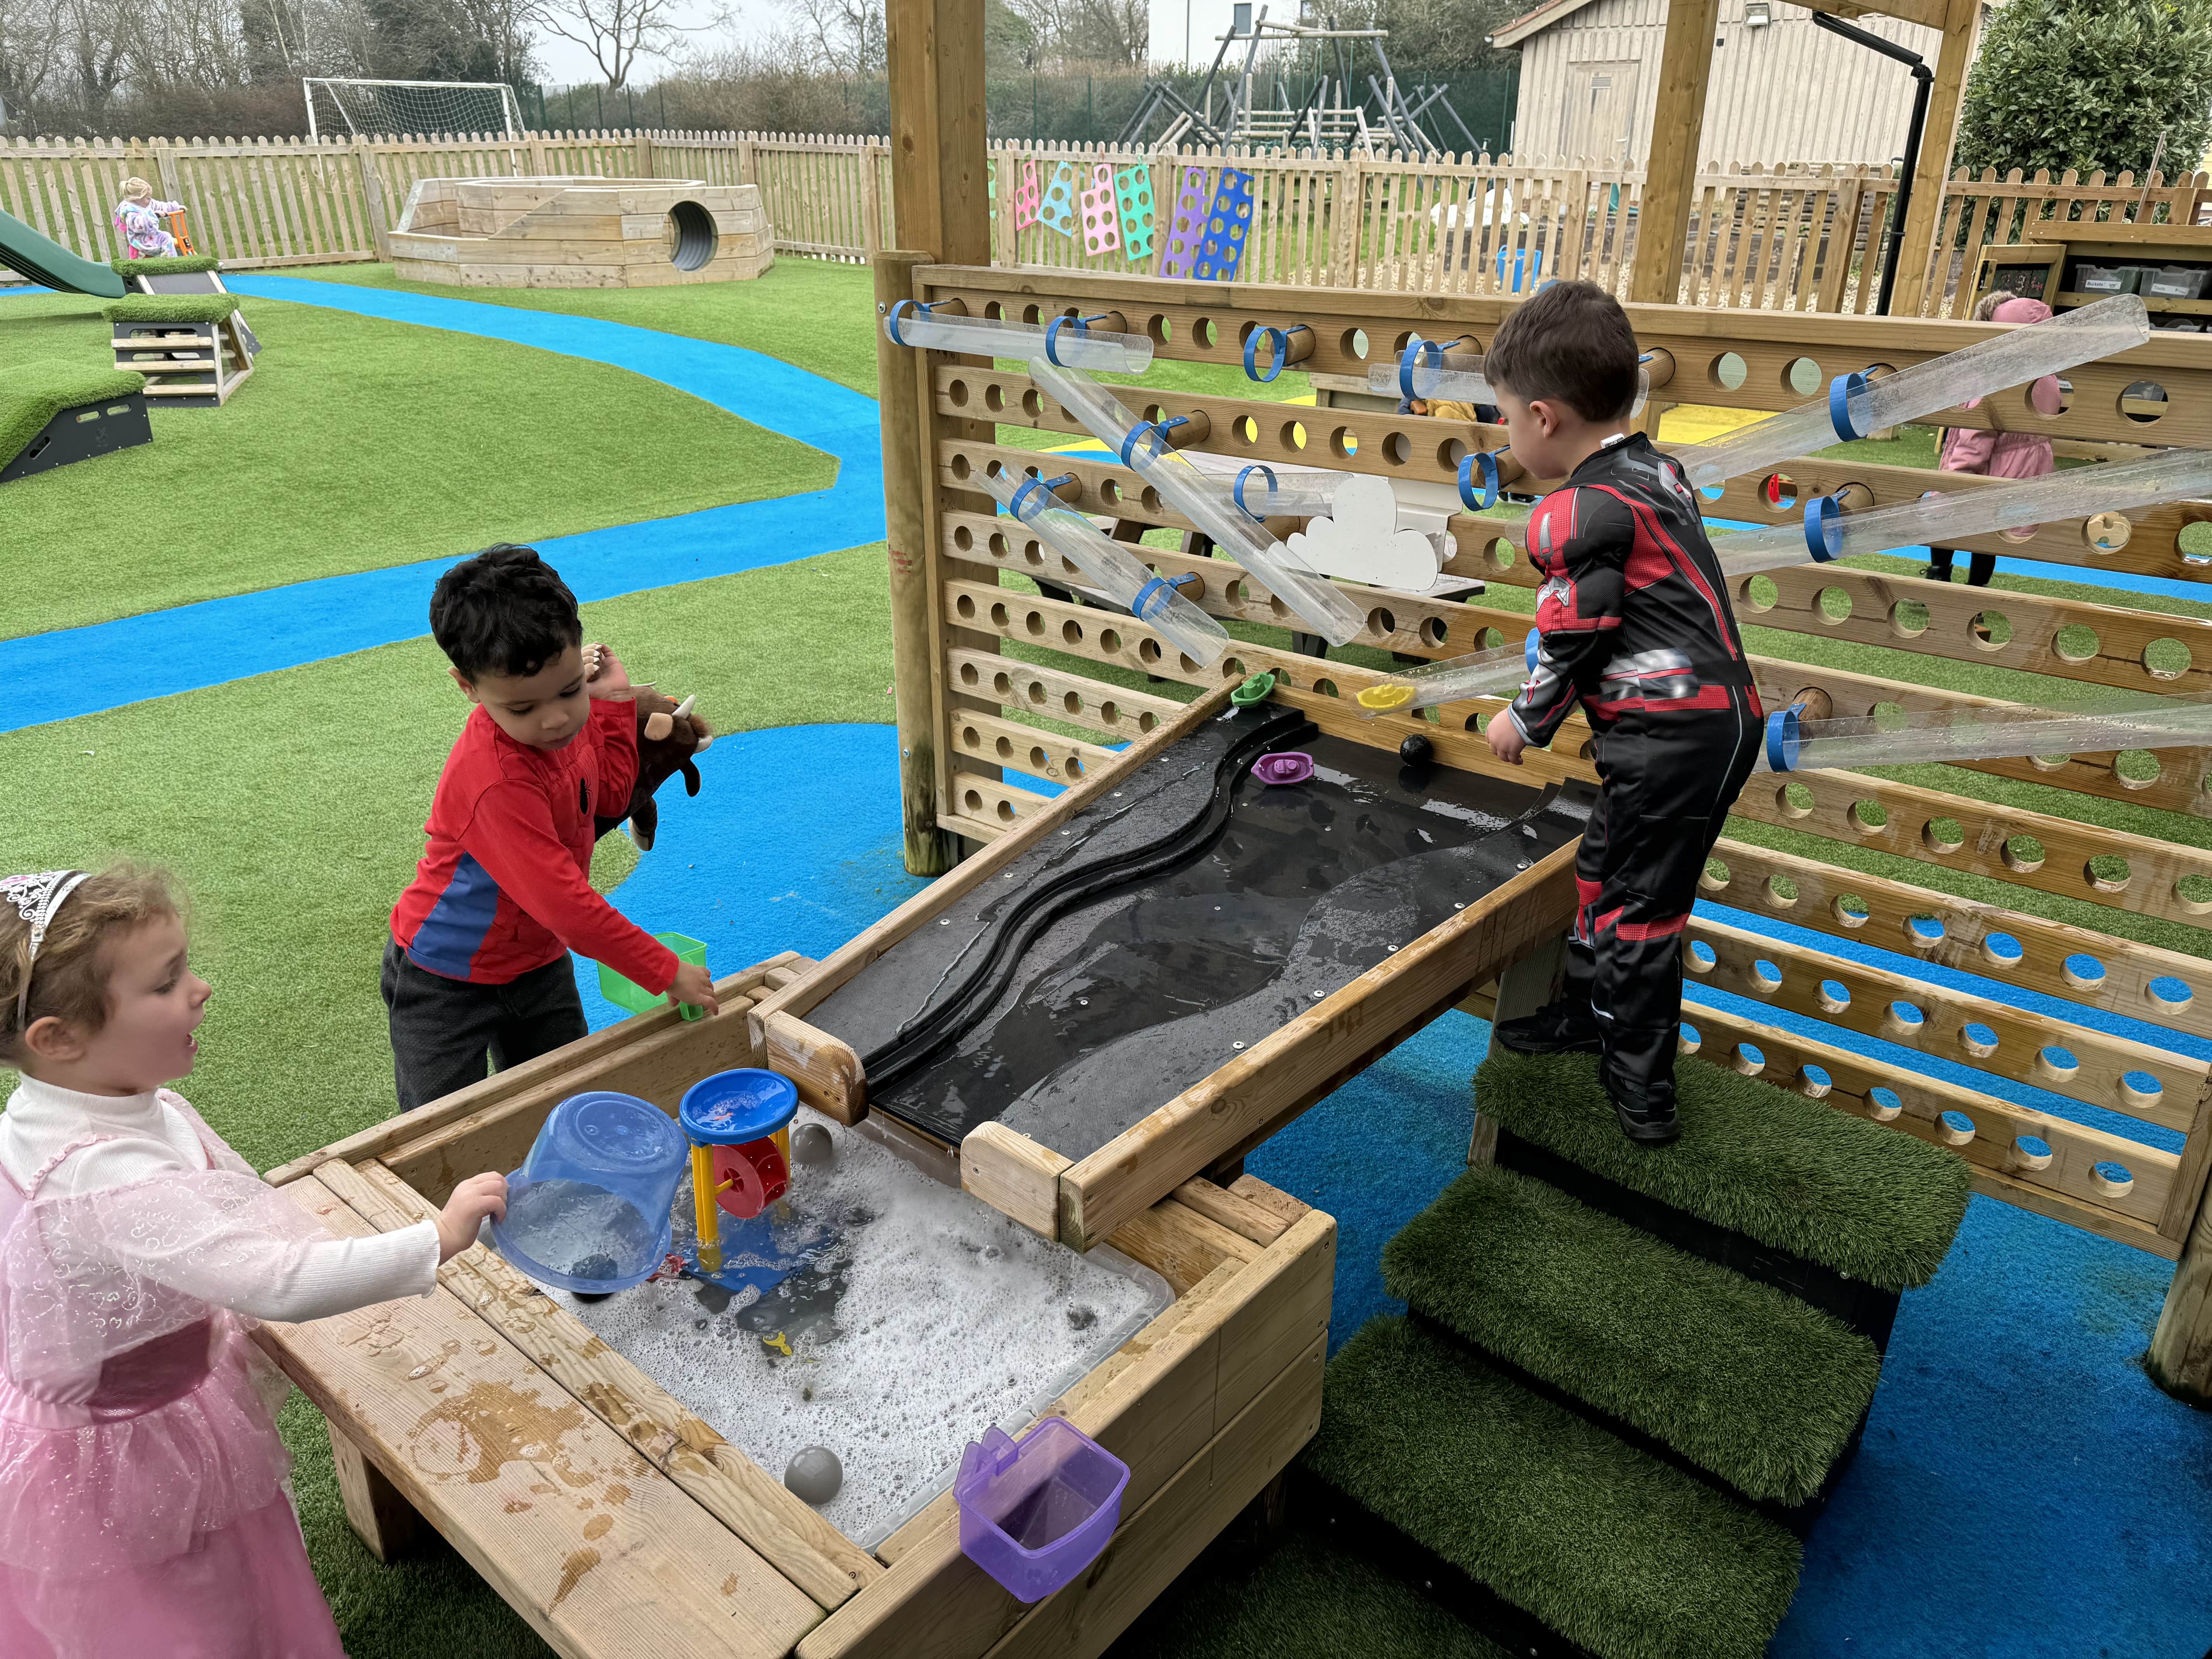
pixel 1206 503
pixel 1794 744
pixel 1151 599
pixel 52 265
pixel 1067 341
pixel 1855 406
pixel 1944 520
pixel 1481 674
pixel 1426 370
pixel 1307 496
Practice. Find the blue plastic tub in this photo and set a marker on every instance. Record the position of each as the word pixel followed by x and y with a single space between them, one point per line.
pixel 589 1210
pixel 1035 1512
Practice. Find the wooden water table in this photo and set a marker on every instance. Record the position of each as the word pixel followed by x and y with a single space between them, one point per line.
pixel 618 1523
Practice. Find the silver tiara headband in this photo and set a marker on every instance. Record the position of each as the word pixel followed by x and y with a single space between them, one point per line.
pixel 36 898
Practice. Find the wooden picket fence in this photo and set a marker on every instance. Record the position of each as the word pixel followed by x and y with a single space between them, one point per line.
pixel 1795 237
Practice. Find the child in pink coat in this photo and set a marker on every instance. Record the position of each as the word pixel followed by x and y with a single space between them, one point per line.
pixel 144 1510
pixel 1992 453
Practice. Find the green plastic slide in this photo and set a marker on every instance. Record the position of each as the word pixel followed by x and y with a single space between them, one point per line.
pixel 49 262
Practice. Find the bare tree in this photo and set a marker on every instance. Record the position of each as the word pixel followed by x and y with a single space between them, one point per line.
pixel 618 32
pixel 843 38
pixel 31 58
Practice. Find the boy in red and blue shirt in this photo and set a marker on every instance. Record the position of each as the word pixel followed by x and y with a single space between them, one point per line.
pixel 476 968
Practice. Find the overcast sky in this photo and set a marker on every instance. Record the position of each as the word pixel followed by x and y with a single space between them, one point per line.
pixel 564 64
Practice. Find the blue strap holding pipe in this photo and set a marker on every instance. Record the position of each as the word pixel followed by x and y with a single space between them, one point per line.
pixel 1158 429
pixel 1052 335
pixel 1281 353
pixel 1841 391
pixel 1484 461
pixel 1236 490
pixel 1782 744
pixel 1051 487
pixel 891 317
pixel 1820 513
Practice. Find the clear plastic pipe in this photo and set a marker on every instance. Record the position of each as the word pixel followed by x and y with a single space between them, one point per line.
pixel 1796 744
pixel 1304 495
pixel 1206 503
pixel 1827 533
pixel 1492 673
pixel 1110 565
pixel 1855 406
pixel 1424 372
pixel 1064 341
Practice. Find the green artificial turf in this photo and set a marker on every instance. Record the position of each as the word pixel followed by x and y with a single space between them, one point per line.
pixel 358 443
pixel 1792 1173
pixel 166 265
pixel 1302 1601
pixel 1758 1387
pixel 291 806
pixel 171 308
pixel 35 392
pixel 1629 1556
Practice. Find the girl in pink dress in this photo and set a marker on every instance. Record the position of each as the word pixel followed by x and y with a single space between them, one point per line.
pixel 1992 453
pixel 143 1509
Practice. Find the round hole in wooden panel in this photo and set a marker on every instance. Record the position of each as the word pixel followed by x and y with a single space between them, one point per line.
pixel 2108 872
pixel 1954 1129
pixel 1869 818
pixel 1148 650
pixel 994 398
pixel 2194 542
pixel 1688 1040
pixel 2169 994
pixel 2136 769
pixel 961 467
pixel 1035 623
pixel 2106 532
pixel 1449 453
pixel 1072 704
pixel 969 675
pixel 1345 442
pixel 1160 329
pixel 1037 693
pixel 1005 745
pixel 1700 957
pixel 1109 712
pixel 1039 761
pixel 1908 619
pixel 957 391
pixel 963 537
pixel 1032 314
pixel 1779 491
pixel 2112 1180
pixel 2083 971
pixel 2194 894
pixel 2056 1065
pixel 1382 621
pixel 2003 950
pixel 1003 684
pixel 1849 910
pixel 2022 854
pixel 1247 430
pixel 1758 593
pixel 964 606
pixel 1433 631
pixel 1942 835
pixel 1005 811
pixel 1714 877
pixel 1832 607
pixel 2076 642
pixel 1397 449
pixel 1795 800
pixel 1779 892
pixel 1990 630
pixel 1813 1081
pixel 2030 1153
pixel 1834 997
pixel 1355 344
pixel 972 802
pixel 1109 640
pixel 2144 402
pixel 1766 977
pixel 1728 372
pixel 1033 403
pixel 1293 434
pixel 2166 659
pixel 1148 720
pixel 1748 1058
pixel 1977 1039
pixel 1204 332
pixel 1802 375
pixel 1924 932
pixel 1883 1104
pixel 997 544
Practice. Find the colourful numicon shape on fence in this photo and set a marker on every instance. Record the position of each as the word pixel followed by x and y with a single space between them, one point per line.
pixel 1027 194
pixel 1102 231
pixel 1133 189
pixel 1221 249
pixel 1190 227
pixel 1058 211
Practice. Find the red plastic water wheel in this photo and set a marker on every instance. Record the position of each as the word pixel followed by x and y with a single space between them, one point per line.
pixel 757 1177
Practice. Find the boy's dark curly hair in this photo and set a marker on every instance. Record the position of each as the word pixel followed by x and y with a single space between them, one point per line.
pixel 506 611
pixel 1571 343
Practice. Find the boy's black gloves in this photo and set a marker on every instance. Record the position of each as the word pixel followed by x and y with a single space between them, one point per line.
pixel 669 734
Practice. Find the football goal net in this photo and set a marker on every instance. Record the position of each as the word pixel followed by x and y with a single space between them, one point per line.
pixel 341 108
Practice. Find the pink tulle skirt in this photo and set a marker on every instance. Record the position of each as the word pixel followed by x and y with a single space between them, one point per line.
pixel 153 1520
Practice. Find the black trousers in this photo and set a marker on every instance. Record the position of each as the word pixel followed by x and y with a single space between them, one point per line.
pixel 1666 785
pixel 444 1030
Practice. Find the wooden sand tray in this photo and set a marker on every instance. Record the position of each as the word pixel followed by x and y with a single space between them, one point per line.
pixel 618 1523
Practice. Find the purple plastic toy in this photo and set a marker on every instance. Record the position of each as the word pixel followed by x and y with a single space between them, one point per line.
pixel 1291 767
pixel 1037 1511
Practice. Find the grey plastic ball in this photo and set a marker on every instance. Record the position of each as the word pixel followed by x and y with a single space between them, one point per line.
pixel 811 1143
pixel 815 1475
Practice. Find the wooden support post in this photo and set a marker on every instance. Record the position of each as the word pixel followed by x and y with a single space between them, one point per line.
pixel 1962 21
pixel 1670 176
pixel 374 1508
pixel 372 198
pixel 1523 988
pixel 899 376
pixel 2180 1357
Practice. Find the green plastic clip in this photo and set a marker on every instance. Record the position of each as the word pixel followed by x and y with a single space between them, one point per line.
pixel 1258 689
pixel 628 994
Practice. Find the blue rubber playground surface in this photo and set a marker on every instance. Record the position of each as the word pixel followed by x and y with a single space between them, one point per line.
pixel 2023 1489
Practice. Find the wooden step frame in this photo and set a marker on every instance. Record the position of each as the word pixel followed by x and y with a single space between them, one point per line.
pixel 457 1409
pixel 219 365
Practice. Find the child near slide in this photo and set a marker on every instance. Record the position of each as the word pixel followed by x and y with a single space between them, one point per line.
pixel 144 1507
pixel 1635 626
pixel 1994 454
pixel 139 216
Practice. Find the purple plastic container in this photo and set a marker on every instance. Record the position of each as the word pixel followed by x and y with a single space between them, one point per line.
pixel 1037 1511
pixel 1288 766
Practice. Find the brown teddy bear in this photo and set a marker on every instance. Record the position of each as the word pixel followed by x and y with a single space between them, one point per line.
pixel 670 735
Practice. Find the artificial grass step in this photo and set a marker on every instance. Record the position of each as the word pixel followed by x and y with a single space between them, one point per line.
pixel 1615 1550
pixel 1784 1169
pixel 34 393
pixel 1305 1600
pixel 1741 1379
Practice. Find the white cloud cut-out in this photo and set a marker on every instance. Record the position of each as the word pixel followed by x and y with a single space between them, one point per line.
pixel 1361 541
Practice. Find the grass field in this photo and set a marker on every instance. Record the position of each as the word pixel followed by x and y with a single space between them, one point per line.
pixel 357 444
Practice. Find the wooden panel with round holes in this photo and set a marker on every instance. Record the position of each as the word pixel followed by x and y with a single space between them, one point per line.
pixel 1047 755
pixel 2074 1180
pixel 1118 715
pixel 2132 1078
pixel 1983 838
pixel 2119 975
pixel 1737 359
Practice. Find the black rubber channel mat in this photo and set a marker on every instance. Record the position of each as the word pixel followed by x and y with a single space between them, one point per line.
pixel 1174 921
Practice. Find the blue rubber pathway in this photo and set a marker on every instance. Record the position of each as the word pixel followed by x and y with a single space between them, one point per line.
pixel 80 670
